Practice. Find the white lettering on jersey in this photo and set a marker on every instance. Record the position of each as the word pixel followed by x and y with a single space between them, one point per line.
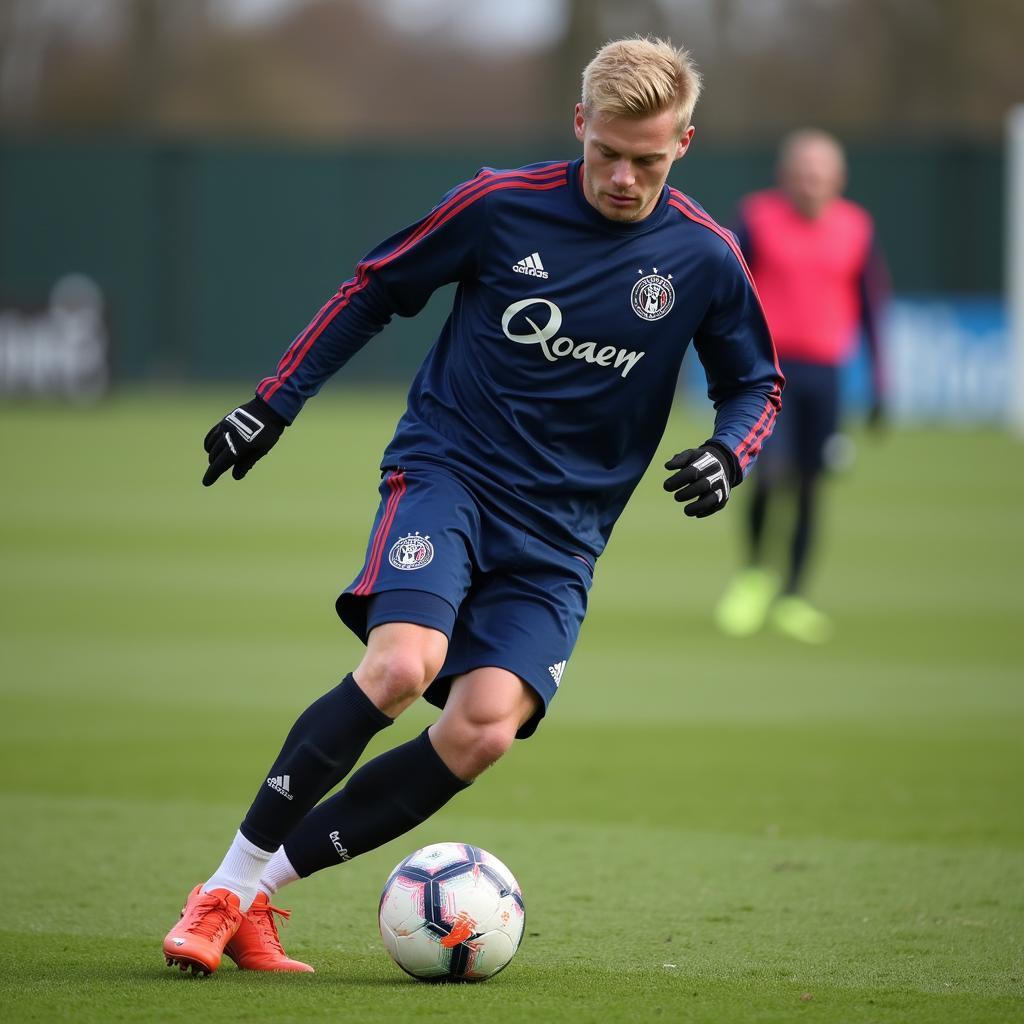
pixel 617 358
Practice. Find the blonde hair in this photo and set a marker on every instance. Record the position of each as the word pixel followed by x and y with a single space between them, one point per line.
pixel 640 76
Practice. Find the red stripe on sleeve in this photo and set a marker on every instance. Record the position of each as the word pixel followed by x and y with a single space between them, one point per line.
pixel 325 310
pixel 699 217
pixel 684 205
pixel 549 178
pixel 750 445
pixel 316 324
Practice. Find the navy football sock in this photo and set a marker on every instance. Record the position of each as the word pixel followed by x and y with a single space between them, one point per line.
pixel 803 533
pixel 385 798
pixel 757 513
pixel 323 745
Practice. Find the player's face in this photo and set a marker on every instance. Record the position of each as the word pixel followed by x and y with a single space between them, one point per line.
pixel 812 175
pixel 626 160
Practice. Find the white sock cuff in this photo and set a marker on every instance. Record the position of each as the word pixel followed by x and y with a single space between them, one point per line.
pixel 278 873
pixel 240 870
pixel 243 844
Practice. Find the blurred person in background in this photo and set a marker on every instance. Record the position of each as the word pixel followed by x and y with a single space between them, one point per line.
pixel 528 425
pixel 823 283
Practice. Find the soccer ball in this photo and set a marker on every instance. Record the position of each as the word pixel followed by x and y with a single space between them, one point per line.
pixel 451 912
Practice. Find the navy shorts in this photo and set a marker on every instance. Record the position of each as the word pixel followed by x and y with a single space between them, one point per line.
pixel 809 417
pixel 443 558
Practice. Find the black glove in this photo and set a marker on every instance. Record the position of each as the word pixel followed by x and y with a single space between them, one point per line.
pixel 241 438
pixel 704 474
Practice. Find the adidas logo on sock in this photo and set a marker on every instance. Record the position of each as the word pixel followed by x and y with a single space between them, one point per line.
pixel 343 854
pixel 281 784
pixel 556 671
pixel 531 266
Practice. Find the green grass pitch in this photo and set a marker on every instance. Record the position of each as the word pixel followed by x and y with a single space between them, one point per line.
pixel 704 830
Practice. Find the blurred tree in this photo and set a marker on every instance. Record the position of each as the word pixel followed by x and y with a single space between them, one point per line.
pixel 344 69
pixel 32 36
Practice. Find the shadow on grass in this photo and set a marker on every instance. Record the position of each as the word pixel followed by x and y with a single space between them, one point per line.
pixel 68 963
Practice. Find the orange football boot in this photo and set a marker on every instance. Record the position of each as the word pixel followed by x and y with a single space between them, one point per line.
pixel 256 945
pixel 208 921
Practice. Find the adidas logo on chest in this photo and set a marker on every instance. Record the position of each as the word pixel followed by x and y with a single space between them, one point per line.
pixel 531 266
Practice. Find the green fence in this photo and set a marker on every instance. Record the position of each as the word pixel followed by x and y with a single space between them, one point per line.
pixel 212 257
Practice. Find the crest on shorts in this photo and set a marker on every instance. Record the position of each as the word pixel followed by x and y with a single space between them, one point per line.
pixel 411 552
pixel 652 296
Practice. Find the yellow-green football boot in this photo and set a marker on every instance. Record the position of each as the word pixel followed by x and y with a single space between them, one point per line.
pixel 800 620
pixel 744 606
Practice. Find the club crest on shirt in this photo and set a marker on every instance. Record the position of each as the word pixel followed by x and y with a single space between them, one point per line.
pixel 652 296
pixel 411 552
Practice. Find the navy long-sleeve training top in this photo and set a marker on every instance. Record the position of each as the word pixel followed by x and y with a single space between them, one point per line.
pixel 551 382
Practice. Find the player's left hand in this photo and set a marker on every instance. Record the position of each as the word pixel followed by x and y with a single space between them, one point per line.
pixel 240 439
pixel 702 479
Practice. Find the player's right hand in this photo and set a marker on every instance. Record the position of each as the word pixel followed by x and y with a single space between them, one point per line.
pixel 702 479
pixel 239 440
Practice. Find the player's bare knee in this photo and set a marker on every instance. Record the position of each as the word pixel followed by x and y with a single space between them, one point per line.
pixel 394 677
pixel 493 742
pixel 483 746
